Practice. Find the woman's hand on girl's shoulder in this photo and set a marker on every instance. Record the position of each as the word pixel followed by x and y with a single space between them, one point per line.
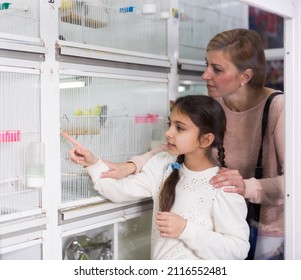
pixel 229 177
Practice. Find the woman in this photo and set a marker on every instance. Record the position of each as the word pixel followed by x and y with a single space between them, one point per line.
pixel 241 92
pixel 235 76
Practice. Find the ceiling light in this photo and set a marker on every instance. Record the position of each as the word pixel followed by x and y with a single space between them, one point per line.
pixel 77 84
pixel 181 88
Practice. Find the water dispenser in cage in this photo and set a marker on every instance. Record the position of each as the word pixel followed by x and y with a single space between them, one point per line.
pixel 164 9
pixel 35 165
pixel 149 7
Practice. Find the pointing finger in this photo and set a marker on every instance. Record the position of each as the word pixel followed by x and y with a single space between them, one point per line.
pixel 71 140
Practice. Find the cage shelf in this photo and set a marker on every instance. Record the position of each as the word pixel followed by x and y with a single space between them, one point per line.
pixel 82 125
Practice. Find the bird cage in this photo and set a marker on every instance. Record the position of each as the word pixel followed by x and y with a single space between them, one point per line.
pixel 20 17
pixel 201 20
pixel 113 24
pixel 115 118
pixel 19 126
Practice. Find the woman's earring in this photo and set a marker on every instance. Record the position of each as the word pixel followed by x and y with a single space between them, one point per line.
pixel 242 84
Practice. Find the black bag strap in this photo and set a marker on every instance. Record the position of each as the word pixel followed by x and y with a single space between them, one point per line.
pixel 253 208
pixel 264 123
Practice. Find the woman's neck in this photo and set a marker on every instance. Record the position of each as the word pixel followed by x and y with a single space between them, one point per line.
pixel 247 99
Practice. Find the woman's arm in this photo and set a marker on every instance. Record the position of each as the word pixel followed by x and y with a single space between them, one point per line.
pixel 133 166
pixel 140 161
pixel 269 190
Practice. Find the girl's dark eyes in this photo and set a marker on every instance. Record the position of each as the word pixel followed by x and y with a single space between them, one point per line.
pixel 179 128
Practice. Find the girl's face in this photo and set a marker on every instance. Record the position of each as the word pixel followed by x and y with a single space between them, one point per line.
pixel 221 75
pixel 182 135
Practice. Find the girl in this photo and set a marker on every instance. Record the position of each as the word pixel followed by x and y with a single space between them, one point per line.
pixel 191 218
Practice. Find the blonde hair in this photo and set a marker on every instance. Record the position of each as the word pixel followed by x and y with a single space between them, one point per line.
pixel 246 51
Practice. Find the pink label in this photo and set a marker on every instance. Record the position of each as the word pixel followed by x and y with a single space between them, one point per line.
pixel 150 118
pixel 10 136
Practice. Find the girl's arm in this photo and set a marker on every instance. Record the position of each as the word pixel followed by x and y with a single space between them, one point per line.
pixel 228 238
pixel 79 154
pixel 126 189
pixel 142 185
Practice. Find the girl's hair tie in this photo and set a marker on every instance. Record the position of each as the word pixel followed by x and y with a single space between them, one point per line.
pixel 176 166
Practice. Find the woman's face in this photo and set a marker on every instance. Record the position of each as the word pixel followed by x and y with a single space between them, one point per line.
pixel 222 77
